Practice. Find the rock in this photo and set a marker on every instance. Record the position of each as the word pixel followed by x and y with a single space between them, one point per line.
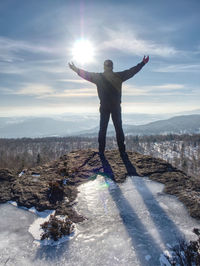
pixel 55 191
pixel 55 185
pixel 6 179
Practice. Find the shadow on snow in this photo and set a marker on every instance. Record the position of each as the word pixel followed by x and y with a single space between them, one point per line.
pixel 142 242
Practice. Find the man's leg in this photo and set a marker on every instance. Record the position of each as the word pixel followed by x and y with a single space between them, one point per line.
pixel 104 119
pixel 117 121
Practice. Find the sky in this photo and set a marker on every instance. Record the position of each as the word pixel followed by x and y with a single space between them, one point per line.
pixel 37 39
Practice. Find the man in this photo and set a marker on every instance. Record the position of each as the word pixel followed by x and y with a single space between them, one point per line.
pixel 109 85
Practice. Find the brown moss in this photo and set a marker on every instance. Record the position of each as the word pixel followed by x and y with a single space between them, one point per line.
pixel 55 228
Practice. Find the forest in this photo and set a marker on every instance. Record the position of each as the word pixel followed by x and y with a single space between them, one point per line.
pixel 182 151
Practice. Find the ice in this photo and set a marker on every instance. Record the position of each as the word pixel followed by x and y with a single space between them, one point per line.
pixel 147 257
pixel 35 228
pixel 164 261
pixel 133 223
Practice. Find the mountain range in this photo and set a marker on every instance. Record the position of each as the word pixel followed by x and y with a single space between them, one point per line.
pixel 187 124
pixel 86 126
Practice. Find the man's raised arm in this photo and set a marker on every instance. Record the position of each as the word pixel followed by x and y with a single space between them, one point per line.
pixel 89 76
pixel 129 73
pixel 73 67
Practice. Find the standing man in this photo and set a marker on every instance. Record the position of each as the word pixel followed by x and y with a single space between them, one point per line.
pixel 109 86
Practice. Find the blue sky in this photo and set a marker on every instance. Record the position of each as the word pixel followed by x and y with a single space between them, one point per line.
pixel 36 38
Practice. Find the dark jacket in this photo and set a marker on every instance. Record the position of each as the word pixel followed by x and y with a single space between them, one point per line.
pixel 109 84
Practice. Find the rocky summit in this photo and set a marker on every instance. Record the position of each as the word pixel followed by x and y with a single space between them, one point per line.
pixel 55 185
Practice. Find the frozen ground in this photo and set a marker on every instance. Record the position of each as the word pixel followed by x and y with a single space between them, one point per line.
pixel 127 224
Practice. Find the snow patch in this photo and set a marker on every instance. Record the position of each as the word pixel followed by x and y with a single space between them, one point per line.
pixel 35 174
pixel 13 203
pixel 21 174
pixel 65 182
pixel 35 229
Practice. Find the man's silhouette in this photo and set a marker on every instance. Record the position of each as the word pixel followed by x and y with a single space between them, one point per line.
pixel 109 85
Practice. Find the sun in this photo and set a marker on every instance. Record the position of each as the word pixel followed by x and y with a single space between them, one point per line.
pixel 83 51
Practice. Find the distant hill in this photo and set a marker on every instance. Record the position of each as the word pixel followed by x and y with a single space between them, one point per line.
pixel 84 126
pixel 186 124
pixel 38 127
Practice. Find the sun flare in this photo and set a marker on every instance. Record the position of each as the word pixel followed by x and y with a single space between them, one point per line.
pixel 83 51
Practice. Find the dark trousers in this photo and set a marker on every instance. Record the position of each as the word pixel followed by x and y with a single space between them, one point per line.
pixel 117 121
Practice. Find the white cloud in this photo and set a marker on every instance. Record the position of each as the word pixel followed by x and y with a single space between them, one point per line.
pixel 81 81
pixel 51 109
pixel 42 91
pixel 129 90
pixel 69 93
pixel 30 90
pixel 60 108
pixel 25 67
pixel 10 49
pixel 169 86
pixel 6 90
pixel 46 91
pixel 127 41
pixel 194 68
pixel 156 107
pixel 10 68
pixel 35 89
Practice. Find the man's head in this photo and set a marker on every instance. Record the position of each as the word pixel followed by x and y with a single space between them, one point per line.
pixel 108 65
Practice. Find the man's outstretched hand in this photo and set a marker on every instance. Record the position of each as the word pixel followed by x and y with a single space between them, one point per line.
pixel 72 66
pixel 145 59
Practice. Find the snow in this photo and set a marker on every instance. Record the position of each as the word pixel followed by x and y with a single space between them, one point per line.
pixel 21 174
pixel 133 223
pixel 35 174
pixel 35 228
pixel 45 214
pixel 65 181
pixel 174 152
pixel 13 203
